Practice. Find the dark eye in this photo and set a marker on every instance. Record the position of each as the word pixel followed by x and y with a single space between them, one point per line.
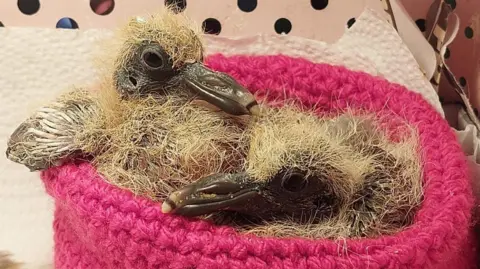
pixel 294 181
pixel 152 59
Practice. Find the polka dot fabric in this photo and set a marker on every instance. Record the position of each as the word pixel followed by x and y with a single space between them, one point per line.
pixel 100 226
pixel 321 20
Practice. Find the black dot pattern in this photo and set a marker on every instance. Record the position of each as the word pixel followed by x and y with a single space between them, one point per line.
pixel 350 22
pixel 176 5
pixel 468 32
pixel 247 5
pixel 212 26
pixel 452 3
pixel 447 53
pixel 28 7
pixel 421 24
pixel 67 23
pixel 462 81
pixel 102 7
pixel 319 4
pixel 283 26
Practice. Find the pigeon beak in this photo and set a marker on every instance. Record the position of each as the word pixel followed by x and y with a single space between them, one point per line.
pixel 220 90
pixel 218 192
pixel 290 194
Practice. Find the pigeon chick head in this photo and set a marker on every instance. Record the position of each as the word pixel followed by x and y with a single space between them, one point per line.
pixel 162 55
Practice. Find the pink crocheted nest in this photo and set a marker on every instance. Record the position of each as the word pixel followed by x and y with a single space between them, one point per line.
pixel 100 226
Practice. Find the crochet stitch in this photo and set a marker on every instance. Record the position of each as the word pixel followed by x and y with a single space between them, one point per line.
pixel 98 225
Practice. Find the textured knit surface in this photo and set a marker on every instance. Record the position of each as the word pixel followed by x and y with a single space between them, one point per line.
pixel 100 226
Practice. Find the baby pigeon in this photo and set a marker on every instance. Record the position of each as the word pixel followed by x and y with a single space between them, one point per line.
pixel 143 121
pixel 311 177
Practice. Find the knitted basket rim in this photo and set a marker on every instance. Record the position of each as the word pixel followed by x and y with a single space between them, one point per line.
pixel 440 232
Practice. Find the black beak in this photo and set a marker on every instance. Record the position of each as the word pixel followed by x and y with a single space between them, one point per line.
pixel 220 89
pixel 218 192
pixel 291 193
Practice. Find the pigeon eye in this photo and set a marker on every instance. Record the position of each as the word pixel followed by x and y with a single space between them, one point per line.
pixel 152 59
pixel 294 182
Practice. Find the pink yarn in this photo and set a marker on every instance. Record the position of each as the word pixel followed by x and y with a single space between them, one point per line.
pixel 100 226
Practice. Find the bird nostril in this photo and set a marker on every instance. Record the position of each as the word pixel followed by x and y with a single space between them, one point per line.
pixel 152 59
pixel 133 81
pixel 294 182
